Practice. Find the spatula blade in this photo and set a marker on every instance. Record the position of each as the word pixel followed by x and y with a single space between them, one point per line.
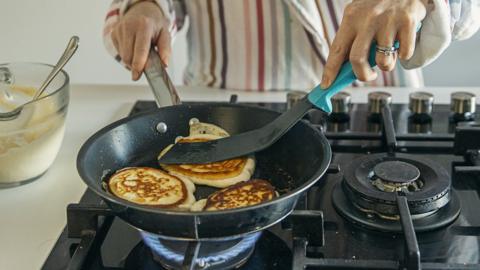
pixel 237 145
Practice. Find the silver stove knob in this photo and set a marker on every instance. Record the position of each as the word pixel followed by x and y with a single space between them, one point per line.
pixel 341 103
pixel 377 99
pixel 293 97
pixel 421 103
pixel 462 103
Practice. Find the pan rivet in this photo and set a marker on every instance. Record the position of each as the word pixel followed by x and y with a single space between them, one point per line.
pixel 201 263
pixel 161 127
pixel 193 121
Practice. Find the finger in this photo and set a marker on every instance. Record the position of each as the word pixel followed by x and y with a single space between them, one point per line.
pixel 126 47
pixel 164 46
pixel 115 41
pixel 359 57
pixel 338 53
pixel 406 37
pixel 140 53
pixel 385 38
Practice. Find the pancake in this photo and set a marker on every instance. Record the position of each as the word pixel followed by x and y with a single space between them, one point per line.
pixel 218 174
pixel 153 187
pixel 240 195
pixel 199 128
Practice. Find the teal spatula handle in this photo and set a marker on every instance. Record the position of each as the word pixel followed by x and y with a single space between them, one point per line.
pixel 321 97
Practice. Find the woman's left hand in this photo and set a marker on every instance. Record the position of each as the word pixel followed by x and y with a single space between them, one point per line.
pixel 366 20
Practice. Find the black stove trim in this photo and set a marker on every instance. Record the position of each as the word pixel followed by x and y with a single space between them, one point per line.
pixel 466 138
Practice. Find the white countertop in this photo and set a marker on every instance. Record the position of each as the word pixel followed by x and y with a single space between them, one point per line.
pixel 33 215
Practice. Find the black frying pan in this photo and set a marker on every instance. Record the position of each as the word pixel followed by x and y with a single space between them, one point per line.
pixel 292 165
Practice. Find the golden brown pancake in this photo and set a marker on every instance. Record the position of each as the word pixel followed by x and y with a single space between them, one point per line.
pixel 218 174
pixel 149 186
pixel 198 128
pixel 240 195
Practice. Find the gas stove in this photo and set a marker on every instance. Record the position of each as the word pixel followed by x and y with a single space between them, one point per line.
pixel 402 192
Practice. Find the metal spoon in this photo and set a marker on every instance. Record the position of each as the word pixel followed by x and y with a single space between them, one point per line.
pixel 67 54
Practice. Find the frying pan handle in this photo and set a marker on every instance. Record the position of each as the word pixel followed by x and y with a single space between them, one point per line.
pixel 159 81
pixel 321 97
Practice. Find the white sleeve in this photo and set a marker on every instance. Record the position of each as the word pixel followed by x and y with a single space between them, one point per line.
pixel 445 21
pixel 465 18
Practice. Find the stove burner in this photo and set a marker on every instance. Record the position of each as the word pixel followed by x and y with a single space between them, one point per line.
pixel 371 183
pixel 270 253
pixel 213 254
pixel 434 192
pixel 421 222
pixel 392 176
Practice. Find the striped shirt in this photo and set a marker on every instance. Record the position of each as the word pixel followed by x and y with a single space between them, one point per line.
pixel 257 44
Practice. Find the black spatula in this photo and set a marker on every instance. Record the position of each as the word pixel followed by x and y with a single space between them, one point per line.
pixel 256 140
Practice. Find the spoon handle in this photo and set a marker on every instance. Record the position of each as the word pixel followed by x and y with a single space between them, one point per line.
pixel 67 54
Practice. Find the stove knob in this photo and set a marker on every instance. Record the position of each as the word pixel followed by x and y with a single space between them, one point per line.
pixel 462 103
pixel 376 100
pixel 420 103
pixel 341 103
pixel 293 97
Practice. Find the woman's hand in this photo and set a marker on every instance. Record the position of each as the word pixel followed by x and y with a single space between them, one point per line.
pixel 142 26
pixel 366 20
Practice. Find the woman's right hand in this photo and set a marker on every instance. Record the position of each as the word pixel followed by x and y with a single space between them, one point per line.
pixel 142 26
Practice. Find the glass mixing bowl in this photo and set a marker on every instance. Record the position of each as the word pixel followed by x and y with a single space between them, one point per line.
pixel 30 141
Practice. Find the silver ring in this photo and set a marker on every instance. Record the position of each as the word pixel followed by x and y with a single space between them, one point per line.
pixel 387 51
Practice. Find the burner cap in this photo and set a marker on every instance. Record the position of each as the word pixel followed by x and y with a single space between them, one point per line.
pixel 396 171
pixel 372 182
